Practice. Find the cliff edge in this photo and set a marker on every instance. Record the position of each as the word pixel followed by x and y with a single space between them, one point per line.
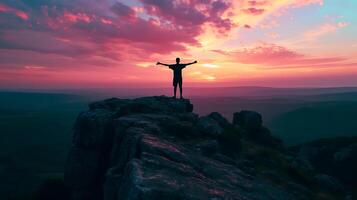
pixel 157 148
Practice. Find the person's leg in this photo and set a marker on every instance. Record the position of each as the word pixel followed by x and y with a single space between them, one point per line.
pixel 175 88
pixel 180 85
pixel 174 83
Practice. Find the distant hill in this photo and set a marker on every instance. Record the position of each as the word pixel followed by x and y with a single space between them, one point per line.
pixel 317 120
pixel 35 136
pixel 190 92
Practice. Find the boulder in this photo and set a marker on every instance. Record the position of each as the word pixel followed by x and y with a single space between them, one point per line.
pixel 223 122
pixel 248 119
pixel 209 127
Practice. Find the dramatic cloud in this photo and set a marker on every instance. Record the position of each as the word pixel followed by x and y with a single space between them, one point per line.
pixel 190 13
pixel 275 56
pixel 120 40
pixel 84 27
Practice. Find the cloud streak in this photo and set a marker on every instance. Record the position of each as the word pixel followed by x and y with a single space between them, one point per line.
pixel 324 29
pixel 271 56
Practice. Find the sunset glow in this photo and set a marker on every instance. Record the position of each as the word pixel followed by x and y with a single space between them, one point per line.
pixel 116 43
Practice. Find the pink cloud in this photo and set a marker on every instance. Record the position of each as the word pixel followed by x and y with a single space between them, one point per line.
pixel 76 17
pixel 274 56
pixel 17 12
pixel 34 67
pixel 193 13
pixel 106 21
pixel 78 33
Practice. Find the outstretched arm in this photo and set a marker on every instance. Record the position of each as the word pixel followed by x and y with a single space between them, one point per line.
pixel 159 63
pixel 191 63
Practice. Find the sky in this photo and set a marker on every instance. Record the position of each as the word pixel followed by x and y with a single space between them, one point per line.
pixel 48 44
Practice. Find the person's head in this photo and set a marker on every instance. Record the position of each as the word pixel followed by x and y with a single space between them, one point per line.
pixel 177 60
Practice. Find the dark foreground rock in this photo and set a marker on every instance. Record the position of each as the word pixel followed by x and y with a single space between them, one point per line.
pixel 335 157
pixel 156 148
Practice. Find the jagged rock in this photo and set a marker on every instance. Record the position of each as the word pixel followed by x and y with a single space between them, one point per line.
pixel 209 126
pixel 155 148
pixel 248 119
pixel 223 122
pixel 93 129
pixel 252 122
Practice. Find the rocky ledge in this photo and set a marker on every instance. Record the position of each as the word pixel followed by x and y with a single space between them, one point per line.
pixel 157 148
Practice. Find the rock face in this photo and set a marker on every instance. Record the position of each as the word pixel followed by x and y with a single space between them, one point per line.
pixel 336 157
pixel 252 122
pixel 156 148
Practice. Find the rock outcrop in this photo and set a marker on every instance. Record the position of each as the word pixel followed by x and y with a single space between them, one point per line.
pixel 336 157
pixel 156 148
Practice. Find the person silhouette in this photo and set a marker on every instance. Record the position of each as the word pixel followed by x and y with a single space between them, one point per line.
pixel 177 69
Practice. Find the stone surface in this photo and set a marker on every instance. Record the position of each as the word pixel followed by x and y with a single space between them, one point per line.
pixel 155 148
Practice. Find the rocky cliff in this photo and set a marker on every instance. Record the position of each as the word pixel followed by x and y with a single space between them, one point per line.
pixel 157 148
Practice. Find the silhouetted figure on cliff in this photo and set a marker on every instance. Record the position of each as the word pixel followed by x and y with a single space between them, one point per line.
pixel 177 68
